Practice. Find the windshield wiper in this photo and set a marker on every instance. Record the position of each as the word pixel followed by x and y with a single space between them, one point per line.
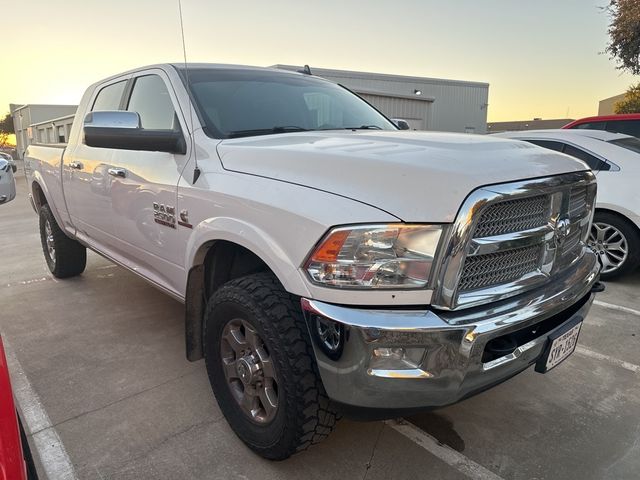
pixel 266 131
pixel 364 127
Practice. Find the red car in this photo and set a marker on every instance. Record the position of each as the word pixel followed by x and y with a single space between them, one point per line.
pixel 13 465
pixel 628 123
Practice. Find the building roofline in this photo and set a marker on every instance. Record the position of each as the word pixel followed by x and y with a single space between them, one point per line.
pixel 40 105
pixel 383 76
pixel 53 120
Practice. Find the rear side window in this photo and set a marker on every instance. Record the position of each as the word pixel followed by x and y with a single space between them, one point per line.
pixel 632 144
pixel 591 126
pixel 593 162
pixel 551 145
pixel 109 97
pixel 150 98
pixel 628 127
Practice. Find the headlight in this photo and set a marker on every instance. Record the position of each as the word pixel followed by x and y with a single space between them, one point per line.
pixel 375 256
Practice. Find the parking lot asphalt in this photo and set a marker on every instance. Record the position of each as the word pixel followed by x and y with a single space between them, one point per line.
pixel 103 385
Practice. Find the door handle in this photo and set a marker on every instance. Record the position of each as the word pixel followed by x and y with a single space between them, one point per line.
pixel 75 165
pixel 117 172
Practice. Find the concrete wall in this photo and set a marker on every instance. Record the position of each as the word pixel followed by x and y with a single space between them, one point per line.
pixel 443 105
pixel 606 106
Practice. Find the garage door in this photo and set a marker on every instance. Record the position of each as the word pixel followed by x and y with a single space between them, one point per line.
pixel 415 112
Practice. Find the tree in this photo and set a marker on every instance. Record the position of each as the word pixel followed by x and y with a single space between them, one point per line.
pixel 624 32
pixel 6 128
pixel 631 101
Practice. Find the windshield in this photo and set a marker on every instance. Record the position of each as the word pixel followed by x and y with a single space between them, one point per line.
pixel 630 143
pixel 237 103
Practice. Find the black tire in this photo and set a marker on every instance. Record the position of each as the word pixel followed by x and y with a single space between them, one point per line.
pixel 631 237
pixel 304 415
pixel 65 257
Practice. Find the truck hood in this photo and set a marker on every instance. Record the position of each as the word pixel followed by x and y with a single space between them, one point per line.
pixel 415 176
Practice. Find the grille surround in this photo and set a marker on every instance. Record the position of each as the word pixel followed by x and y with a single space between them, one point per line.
pixel 562 238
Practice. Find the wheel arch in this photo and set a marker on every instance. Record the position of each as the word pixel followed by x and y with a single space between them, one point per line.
pixel 624 214
pixel 221 255
pixel 38 195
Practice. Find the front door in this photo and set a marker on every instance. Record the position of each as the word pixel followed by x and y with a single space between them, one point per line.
pixel 144 191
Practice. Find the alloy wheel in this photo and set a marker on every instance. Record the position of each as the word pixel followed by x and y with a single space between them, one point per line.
pixel 48 233
pixel 249 371
pixel 610 245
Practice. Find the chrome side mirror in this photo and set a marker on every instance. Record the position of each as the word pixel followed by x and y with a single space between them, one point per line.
pixel 123 130
pixel 7 182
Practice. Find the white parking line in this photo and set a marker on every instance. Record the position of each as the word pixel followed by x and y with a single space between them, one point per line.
pixel 620 308
pixel 601 356
pixel 448 455
pixel 47 443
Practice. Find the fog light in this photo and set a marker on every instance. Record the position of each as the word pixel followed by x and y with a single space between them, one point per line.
pixel 396 358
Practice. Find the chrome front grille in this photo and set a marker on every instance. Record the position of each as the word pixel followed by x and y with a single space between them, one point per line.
pixel 513 237
pixel 513 216
pixel 578 202
pixel 481 271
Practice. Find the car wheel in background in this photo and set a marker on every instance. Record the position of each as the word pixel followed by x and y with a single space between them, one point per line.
pixel 261 367
pixel 65 257
pixel 616 242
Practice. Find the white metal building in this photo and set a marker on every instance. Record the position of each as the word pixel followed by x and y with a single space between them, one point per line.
pixel 426 103
pixel 35 123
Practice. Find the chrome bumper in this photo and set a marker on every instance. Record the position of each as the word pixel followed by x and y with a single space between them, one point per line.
pixel 455 358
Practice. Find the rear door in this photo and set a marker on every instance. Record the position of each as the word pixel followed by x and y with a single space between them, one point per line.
pixel 145 193
pixel 87 185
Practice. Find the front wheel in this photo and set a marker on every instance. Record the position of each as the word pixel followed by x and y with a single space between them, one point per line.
pixel 261 368
pixel 616 242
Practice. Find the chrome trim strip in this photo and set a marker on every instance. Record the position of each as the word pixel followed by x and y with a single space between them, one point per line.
pixel 406 374
pixel 508 241
pixel 518 352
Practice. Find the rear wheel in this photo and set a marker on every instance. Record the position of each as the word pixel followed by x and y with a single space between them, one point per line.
pixel 616 242
pixel 65 257
pixel 261 368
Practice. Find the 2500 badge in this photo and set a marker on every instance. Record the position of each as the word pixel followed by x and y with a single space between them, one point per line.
pixel 164 215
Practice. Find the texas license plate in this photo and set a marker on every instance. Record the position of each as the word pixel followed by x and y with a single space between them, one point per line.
pixel 562 344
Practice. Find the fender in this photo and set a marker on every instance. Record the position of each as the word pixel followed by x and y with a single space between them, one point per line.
pixel 253 239
pixel 37 179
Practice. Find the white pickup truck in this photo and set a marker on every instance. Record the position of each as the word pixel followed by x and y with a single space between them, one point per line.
pixel 328 262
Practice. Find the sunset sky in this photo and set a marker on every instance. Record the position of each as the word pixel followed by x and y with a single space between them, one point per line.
pixel 541 58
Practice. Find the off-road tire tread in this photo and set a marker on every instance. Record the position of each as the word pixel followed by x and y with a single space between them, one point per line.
pixel 71 256
pixel 309 411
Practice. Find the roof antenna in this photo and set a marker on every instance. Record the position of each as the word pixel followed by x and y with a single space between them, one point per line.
pixel 196 170
pixel 306 70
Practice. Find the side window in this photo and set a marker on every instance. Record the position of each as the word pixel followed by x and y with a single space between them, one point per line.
pixel 591 126
pixel 150 98
pixel 593 162
pixel 551 145
pixel 628 127
pixel 109 97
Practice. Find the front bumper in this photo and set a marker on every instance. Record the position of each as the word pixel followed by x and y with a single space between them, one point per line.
pixel 464 352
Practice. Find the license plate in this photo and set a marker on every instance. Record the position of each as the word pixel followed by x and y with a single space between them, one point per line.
pixel 561 345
